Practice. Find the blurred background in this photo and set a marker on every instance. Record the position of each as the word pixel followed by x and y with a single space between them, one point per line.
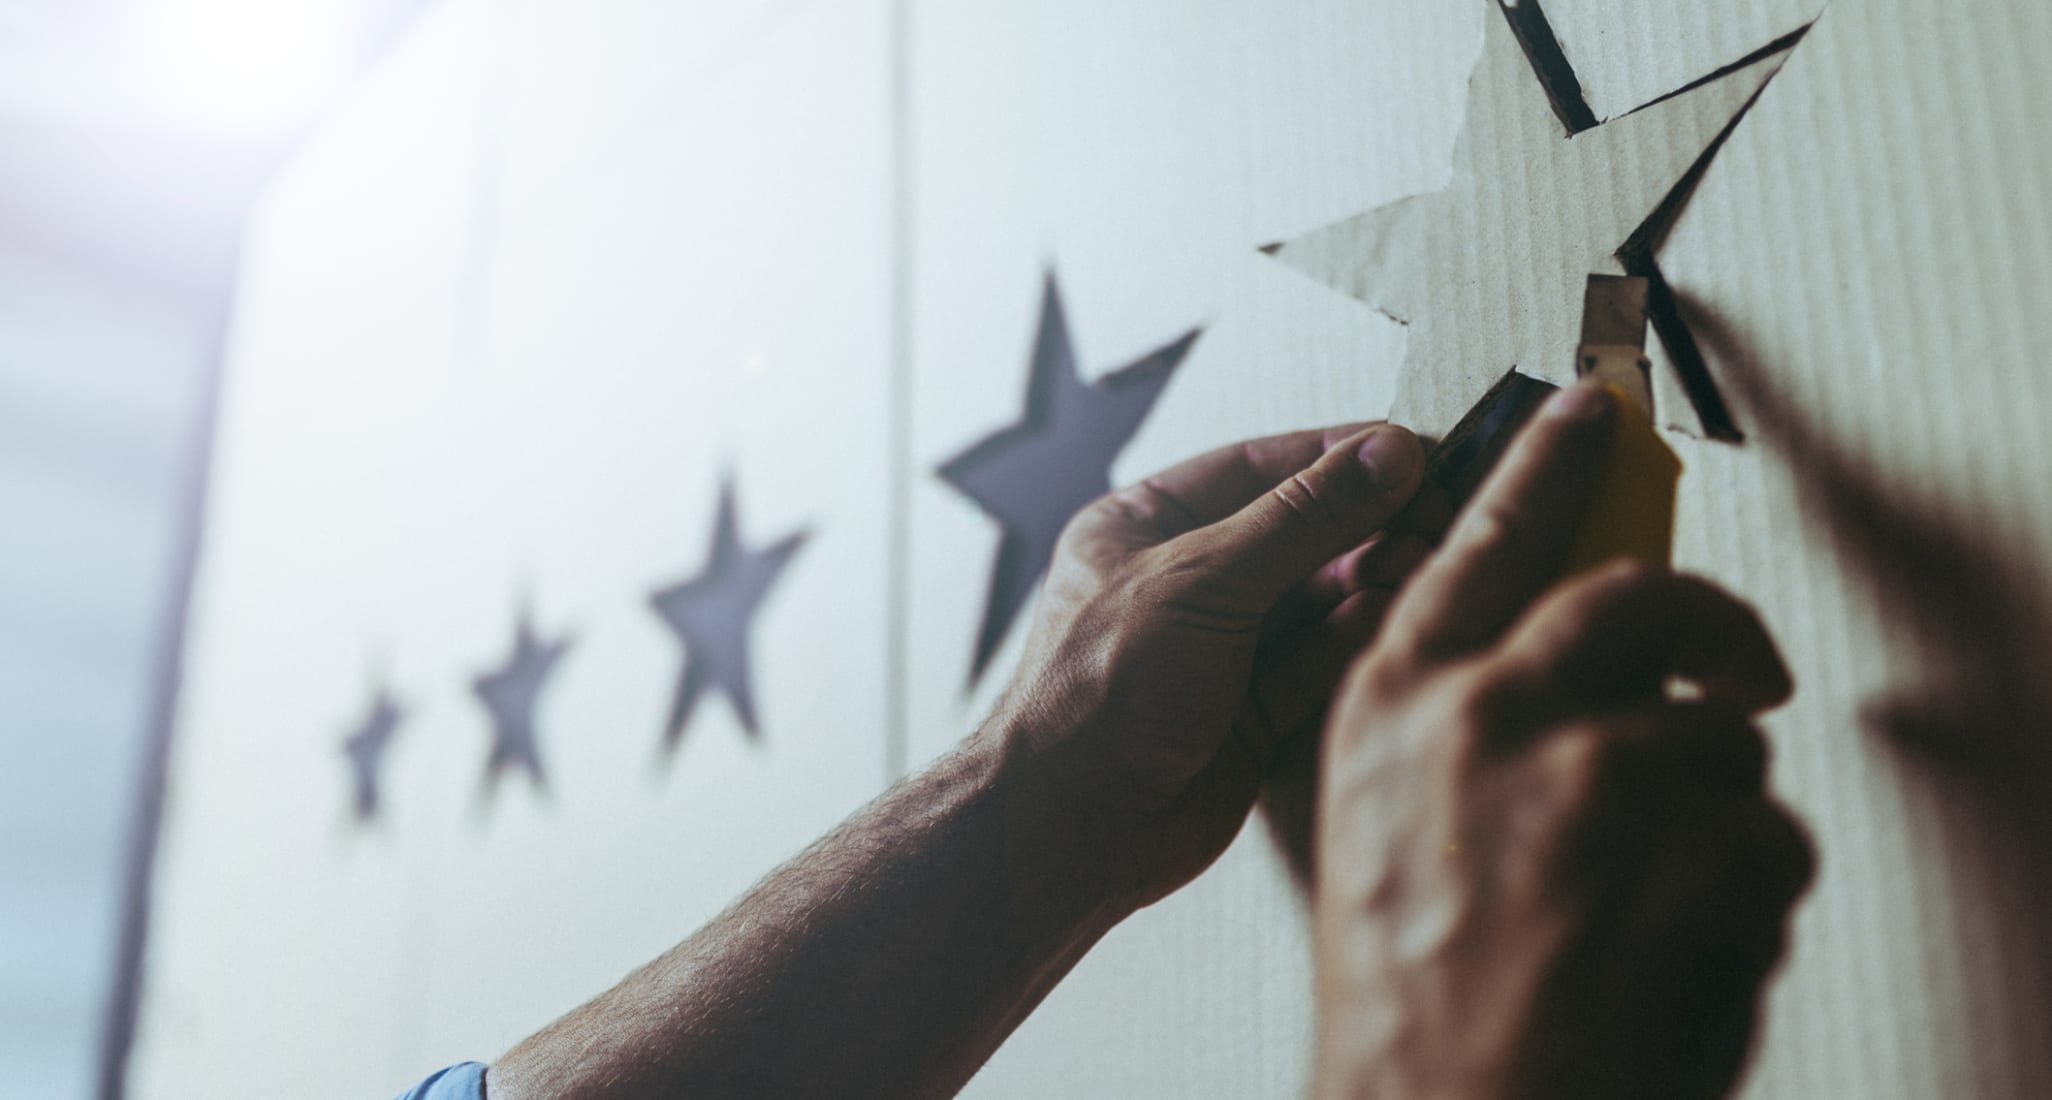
pixel 441 316
pixel 136 135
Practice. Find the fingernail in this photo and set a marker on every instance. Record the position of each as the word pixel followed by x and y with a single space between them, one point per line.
pixel 1585 402
pixel 1390 455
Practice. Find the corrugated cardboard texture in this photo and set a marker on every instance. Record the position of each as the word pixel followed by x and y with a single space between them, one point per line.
pixel 1629 53
pixel 1866 265
pixel 1489 272
pixel 613 271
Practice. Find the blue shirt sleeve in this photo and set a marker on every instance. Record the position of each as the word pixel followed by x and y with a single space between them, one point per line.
pixel 464 1082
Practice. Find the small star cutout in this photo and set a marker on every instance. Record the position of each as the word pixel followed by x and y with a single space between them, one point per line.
pixel 712 613
pixel 1033 476
pixel 1489 273
pixel 509 693
pixel 365 750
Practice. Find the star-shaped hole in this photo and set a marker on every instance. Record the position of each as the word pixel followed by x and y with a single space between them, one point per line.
pixel 713 615
pixel 364 748
pixel 1033 476
pixel 509 694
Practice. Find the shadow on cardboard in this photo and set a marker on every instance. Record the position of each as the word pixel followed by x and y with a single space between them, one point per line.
pixel 1970 723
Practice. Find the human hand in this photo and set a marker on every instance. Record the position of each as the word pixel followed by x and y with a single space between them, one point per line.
pixel 1189 623
pixel 1544 870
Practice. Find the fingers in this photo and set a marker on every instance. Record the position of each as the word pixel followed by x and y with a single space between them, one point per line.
pixel 1669 804
pixel 1214 485
pixel 1648 754
pixel 1622 633
pixel 1296 680
pixel 1384 563
pixel 1313 515
pixel 1710 917
pixel 1510 542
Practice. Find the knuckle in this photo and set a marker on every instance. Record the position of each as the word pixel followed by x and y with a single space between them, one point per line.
pixel 1120 510
pixel 1495 709
pixel 1629 574
pixel 1485 709
pixel 1764 855
pixel 1146 580
pixel 1749 753
pixel 1383 674
pixel 1109 508
pixel 1149 507
pixel 1091 532
pixel 1596 770
pixel 1488 522
pixel 1307 497
pixel 1165 575
pixel 1599 593
pixel 1573 760
pixel 1617 582
pixel 1787 849
pixel 1403 636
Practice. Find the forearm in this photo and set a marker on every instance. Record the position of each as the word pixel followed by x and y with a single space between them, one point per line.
pixel 890 959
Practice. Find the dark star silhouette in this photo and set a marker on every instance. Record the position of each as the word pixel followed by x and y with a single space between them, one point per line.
pixel 1033 476
pixel 712 613
pixel 365 750
pixel 509 693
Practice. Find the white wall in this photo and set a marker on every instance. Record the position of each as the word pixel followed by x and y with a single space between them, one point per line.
pixel 100 382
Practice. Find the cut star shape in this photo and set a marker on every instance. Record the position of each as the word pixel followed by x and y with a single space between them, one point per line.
pixel 364 748
pixel 712 614
pixel 1489 273
pixel 1033 476
pixel 509 694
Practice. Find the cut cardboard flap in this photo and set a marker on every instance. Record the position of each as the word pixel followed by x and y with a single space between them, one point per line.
pixel 1627 53
pixel 1490 271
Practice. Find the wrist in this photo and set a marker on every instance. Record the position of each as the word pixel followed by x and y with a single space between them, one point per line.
pixel 1065 838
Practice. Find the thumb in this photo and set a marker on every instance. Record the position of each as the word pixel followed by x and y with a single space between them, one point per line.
pixel 1314 516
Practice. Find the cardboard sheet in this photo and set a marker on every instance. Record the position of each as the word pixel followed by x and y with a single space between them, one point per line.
pixel 516 384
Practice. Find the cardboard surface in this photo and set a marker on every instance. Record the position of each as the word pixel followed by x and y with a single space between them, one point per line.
pixel 533 407
pixel 1489 272
pixel 1866 265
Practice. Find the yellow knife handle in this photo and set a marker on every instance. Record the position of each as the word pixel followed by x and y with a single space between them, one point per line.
pixel 1632 514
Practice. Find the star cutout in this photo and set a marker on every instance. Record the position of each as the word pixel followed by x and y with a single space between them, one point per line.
pixel 509 693
pixel 364 748
pixel 1489 273
pixel 711 614
pixel 1033 476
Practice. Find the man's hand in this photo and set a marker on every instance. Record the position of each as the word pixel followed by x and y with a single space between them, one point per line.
pixel 1192 621
pixel 1548 865
pixel 1187 623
